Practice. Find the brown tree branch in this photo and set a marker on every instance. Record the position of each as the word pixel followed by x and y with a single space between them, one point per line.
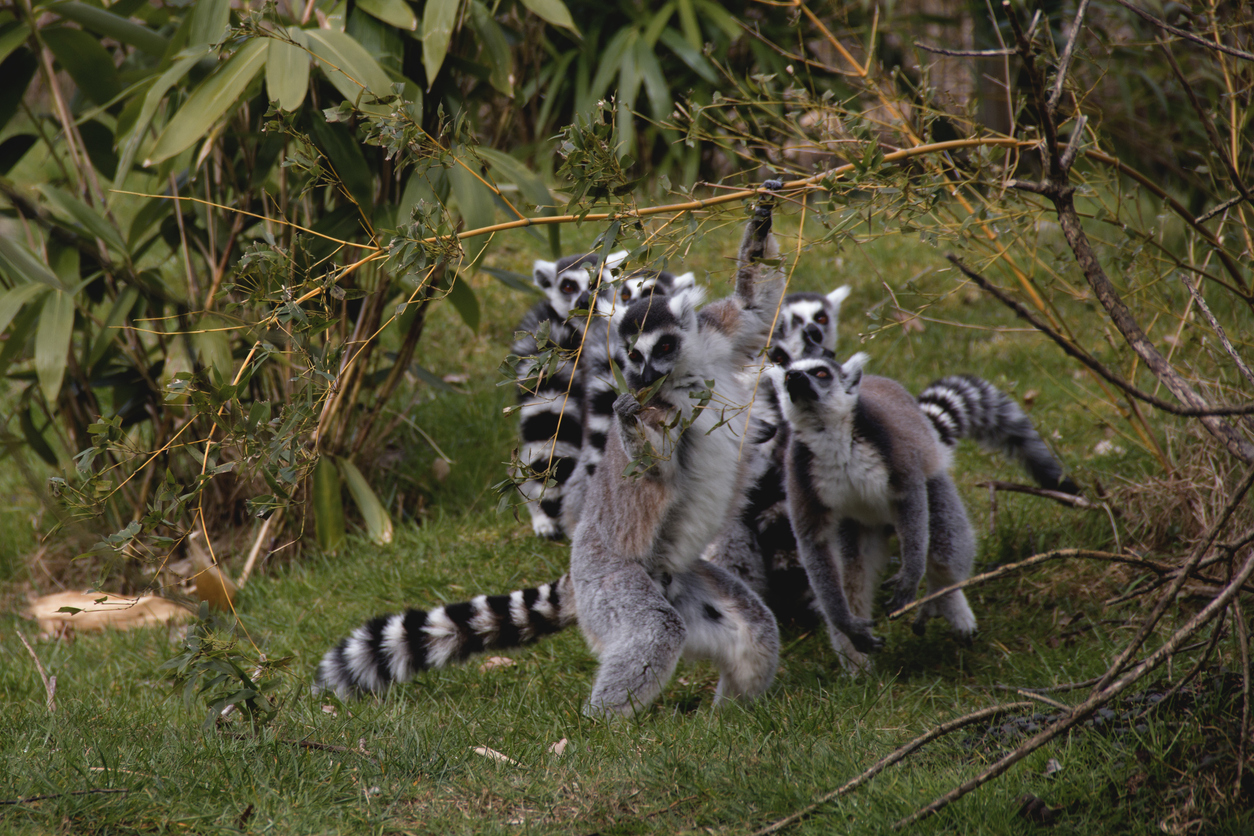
pixel 1188 36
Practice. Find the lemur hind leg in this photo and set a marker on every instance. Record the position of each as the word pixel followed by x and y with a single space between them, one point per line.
pixel 637 635
pixel 951 553
pixel 864 552
pixel 729 625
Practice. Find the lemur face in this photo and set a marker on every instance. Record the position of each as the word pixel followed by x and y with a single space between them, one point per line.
pixel 819 379
pixel 646 282
pixel 654 333
pixel 807 325
pixel 569 282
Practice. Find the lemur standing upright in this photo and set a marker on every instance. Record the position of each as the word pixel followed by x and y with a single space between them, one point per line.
pixel 643 596
pixel 757 542
pixel 550 398
pixel 596 378
pixel 864 459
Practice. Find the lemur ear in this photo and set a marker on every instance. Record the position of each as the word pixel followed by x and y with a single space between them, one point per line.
pixel 688 279
pixel 544 273
pixel 683 305
pixel 614 260
pixel 839 295
pixel 851 370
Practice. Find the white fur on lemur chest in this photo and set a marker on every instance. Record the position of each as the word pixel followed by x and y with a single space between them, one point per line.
pixel 849 475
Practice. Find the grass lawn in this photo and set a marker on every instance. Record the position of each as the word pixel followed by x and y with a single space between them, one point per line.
pixel 471 749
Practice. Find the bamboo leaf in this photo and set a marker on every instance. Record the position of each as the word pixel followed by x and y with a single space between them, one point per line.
pixel 328 505
pixel 13 300
pixel 348 66
pixel 88 63
pixel 210 101
pixel 495 48
pixel 12 39
pixel 463 298
pixel 75 210
pixel 152 100
pixel 287 70
pixel 475 200
pixel 52 342
pixel 209 22
pixel 692 57
pixel 119 28
pixel 437 30
pixel 20 264
pixel 554 11
pixel 396 12
pixel 378 523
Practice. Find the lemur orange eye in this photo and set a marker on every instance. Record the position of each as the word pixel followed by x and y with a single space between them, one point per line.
pixel 626 294
pixel 822 374
pixel 569 286
pixel 821 319
pixel 635 356
pixel 665 347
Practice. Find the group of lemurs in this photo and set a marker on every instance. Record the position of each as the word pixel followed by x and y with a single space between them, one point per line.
pixel 746 475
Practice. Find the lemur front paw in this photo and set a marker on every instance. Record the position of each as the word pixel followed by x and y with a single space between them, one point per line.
pixel 859 632
pixel 626 406
pixel 766 202
pixel 773 185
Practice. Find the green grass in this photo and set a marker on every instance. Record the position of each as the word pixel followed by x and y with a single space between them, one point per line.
pixel 680 767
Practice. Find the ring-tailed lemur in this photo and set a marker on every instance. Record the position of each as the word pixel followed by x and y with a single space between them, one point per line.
pixel 642 594
pixel 806 321
pixel 757 542
pixel 550 399
pixel 864 459
pixel 596 377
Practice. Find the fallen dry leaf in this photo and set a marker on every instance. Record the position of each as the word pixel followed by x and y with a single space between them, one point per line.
pixel 558 748
pixel 114 611
pixel 493 755
pixel 496 662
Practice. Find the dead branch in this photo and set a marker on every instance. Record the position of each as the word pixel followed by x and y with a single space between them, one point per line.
pixel 50 684
pixel 1183 574
pixel 1188 36
pixel 897 755
pixel 965 53
pixel 361 749
pixel 1095 701
pixel 1073 500
pixel 1072 350
pixel 1200 301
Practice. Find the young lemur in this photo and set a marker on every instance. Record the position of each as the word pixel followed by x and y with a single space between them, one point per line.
pixel 550 399
pixel 864 459
pixel 643 596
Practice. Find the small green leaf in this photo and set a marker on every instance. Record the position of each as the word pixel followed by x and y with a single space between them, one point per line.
pixel 210 19
pixel 437 30
pixel 328 505
pixel 462 295
pixel 210 101
pixel 52 342
pixel 396 12
pixel 88 63
pixel 287 70
pixel 12 39
pixel 554 11
pixel 152 100
pixel 378 523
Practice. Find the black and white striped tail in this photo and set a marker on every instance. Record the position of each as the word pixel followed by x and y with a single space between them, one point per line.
pixel 395 648
pixel 550 405
pixel 964 406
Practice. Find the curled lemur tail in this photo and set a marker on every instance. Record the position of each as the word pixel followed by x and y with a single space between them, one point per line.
pixel 963 406
pixel 394 648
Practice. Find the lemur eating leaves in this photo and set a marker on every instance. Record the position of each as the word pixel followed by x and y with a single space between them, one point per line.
pixel 642 595
pixel 550 399
pixel 864 459
pixel 596 378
